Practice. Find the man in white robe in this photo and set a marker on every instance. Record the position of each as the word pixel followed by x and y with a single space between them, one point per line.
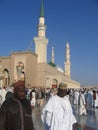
pixel 96 99
pixel 33 98
pixel 82 103
pixel 76 97
pixel 3 94
pixel 0 97
pixel 57 113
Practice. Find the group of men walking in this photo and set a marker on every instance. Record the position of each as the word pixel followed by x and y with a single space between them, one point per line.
pixel 17 104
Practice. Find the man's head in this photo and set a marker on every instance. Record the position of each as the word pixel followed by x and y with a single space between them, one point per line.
pixel 62 89
pixel 19 90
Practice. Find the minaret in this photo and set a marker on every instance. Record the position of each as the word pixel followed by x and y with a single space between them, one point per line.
pixel 41 41
pixel 52 55
pixel 67 61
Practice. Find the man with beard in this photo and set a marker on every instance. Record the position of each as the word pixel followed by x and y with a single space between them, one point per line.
pixel 57 114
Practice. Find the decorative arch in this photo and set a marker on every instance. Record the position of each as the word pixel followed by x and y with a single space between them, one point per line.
pixel 20 71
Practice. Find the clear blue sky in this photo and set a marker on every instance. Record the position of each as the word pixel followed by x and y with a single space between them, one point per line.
pixel 75 21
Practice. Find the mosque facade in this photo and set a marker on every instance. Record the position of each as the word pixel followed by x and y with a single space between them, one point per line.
pixel 32 67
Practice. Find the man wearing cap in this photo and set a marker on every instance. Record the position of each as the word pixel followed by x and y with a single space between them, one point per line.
pixel 16 112
pixel 57 113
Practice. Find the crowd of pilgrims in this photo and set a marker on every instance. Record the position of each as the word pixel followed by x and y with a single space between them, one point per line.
pixel 83 97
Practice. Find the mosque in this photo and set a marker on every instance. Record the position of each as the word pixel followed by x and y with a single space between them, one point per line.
pixel 33 68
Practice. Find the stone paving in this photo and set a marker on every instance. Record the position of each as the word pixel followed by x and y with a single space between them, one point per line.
pixel 87 122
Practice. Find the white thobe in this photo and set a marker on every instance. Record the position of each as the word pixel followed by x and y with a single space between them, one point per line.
pixel 33 100
pixel 96 100
pixel 76 97
pixel 0 97
pixel 57 114
pixel 82 108
pixel 3 94
pixel 92 99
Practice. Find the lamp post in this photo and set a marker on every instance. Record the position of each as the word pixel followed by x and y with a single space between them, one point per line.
pixel 47 81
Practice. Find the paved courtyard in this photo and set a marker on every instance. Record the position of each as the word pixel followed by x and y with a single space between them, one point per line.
pixel 87 122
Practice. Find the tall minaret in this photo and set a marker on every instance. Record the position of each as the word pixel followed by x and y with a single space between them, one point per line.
pixel 67 61
pixel 52 55
pixel 41 41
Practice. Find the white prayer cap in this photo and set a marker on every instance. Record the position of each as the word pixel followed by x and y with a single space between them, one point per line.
pixel 62 86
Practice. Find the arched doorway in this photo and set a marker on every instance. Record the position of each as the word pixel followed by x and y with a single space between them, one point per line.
pixel 6 78
pixel 54 83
